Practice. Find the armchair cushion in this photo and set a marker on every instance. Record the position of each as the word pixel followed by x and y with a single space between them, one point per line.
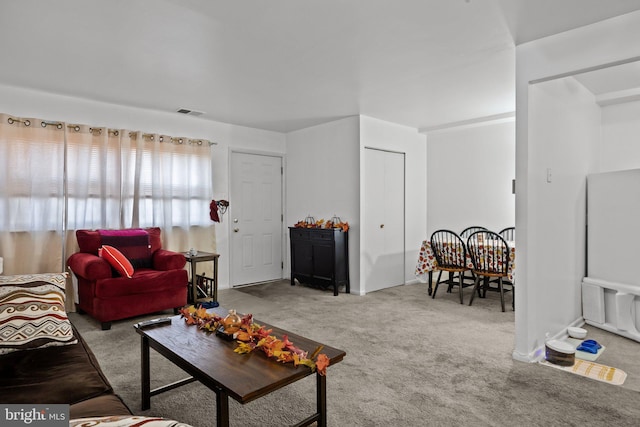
pixel 133 243
pixel 144 281
pixel 154 238
pixel 89 266
pixel 89 241
pixel 168 260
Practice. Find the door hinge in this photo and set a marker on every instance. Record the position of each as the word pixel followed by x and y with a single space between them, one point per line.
pixel 281 217
pixel 281 265
pixel 281 170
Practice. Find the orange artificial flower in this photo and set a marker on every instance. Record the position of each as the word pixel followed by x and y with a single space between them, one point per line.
pixel 321 364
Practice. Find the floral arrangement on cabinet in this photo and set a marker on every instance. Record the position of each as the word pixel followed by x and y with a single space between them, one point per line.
pixel 335 222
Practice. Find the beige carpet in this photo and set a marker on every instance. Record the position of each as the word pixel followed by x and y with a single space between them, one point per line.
pixel 411 361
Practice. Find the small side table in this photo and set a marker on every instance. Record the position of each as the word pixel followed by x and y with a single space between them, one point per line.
pixel 193 260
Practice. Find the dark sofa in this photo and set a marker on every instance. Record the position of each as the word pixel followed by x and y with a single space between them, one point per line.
pixel 67 374
pixel 43 358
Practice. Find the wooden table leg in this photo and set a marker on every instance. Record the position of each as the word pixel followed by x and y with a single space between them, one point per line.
pixel 430 283
pixel 145 375
pixel 215 278
pixel 321 397
pixel 222 408
pixel 194 285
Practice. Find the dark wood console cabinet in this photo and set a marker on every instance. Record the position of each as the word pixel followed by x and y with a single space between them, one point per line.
pixel 320 257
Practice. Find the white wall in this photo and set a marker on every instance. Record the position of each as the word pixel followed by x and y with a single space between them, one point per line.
pixel 323 179
pixel 620 147
pixel 379 134
pixel 469 175
pixel 29 103
pixel 564 128
pixel 546 293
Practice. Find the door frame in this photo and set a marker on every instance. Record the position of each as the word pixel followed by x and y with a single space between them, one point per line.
pixel 282 157
pixel 404 216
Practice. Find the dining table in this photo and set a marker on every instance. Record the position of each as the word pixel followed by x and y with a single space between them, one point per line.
pixel 427 263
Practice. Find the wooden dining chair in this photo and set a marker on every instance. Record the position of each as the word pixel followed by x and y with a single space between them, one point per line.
pixel 508 234
pixel 490 256
pixel 451 256
pixel 464 234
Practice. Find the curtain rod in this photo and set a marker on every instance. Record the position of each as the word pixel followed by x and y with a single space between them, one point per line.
pixel 115 132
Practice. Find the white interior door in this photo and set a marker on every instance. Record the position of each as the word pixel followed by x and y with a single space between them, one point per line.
pixel 256 218
pixel 383 238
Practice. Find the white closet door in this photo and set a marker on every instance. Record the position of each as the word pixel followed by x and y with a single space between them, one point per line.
pixel 256 218
pixel 383 228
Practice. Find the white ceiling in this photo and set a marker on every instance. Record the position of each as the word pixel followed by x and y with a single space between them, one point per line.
pixel 286 64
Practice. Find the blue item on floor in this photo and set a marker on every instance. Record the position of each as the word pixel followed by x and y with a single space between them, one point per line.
pixel 210 304
pixel 589 346
pixel 592 342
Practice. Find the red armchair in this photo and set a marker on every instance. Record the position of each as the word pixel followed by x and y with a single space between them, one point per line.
pixel 159 281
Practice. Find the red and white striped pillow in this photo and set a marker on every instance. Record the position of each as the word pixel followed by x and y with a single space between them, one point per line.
pixel 117 260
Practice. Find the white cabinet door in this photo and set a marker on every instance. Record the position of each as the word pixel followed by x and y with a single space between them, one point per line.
pixel 256 218
pixel 383 226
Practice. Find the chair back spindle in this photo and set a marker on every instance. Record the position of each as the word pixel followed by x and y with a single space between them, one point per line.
pixel 508 234
pixel 469 230
pixel 449 249
pixel 490 255
pixel 450 253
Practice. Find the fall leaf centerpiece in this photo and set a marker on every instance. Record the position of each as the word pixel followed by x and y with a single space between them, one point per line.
pixel 310 222
pixel 251 336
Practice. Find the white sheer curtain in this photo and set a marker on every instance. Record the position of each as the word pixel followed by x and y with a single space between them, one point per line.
pixel 167 184
pixel 31 195
pixel 93 177
pixel 93 181
pixel 113 179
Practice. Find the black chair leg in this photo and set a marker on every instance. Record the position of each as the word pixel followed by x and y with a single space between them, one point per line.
pixel 475 288
pixel 460 278
pixel 501 293
pixel 433 294
pixel 513 297
pixel 450 281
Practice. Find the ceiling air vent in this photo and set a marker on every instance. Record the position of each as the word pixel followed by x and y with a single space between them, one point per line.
pixel 189 112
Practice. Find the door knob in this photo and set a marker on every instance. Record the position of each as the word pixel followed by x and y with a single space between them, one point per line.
pixel 381 225
pixel 235 230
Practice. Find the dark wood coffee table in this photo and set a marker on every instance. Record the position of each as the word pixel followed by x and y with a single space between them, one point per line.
pixel 211 360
